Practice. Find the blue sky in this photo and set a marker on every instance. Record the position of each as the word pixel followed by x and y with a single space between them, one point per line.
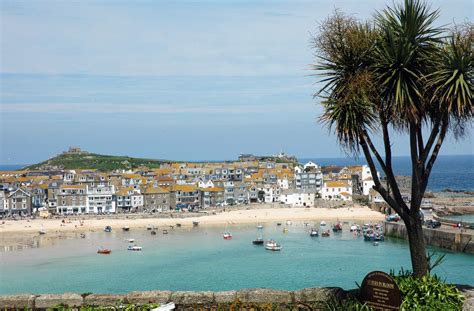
pixel 180 80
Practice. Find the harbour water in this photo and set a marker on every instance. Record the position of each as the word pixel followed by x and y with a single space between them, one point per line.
pixel 469 218
pixel 200 259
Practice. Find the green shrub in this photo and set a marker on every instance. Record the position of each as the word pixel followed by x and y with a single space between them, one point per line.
pixel 427 293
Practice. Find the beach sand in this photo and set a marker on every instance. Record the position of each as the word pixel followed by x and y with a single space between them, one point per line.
pixel 249 216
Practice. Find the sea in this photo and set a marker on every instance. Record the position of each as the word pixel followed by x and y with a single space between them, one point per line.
pixel 200 259
pixel 453 172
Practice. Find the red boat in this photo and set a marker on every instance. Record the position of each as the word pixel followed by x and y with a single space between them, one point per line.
pixel 104 251
pixel 227 236
pixel 325 233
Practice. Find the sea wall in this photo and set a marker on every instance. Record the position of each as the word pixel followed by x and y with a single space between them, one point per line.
pixel 256 299
pixel 451 222
pixel 452 240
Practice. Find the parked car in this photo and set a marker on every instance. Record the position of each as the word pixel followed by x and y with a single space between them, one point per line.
pixel 432 223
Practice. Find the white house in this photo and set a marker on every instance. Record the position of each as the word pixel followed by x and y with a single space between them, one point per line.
pixel 99 199
pixel 272 193
pixel 367 185
pixel 298 198
pixel 337 190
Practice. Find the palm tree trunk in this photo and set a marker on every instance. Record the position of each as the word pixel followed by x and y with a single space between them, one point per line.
pixel 417 244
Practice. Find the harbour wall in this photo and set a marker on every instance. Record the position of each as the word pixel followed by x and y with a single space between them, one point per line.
pixel 245 299
pixel 451 222
pixel 452 240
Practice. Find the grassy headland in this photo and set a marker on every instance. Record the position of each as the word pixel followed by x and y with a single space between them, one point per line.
pixel 94 161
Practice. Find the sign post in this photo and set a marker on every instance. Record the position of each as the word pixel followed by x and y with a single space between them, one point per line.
pixel 380 291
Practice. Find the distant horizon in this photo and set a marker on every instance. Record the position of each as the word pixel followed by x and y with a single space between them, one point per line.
pixel 359 159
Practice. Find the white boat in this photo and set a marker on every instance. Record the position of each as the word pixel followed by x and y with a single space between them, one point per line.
pixel 134 248
pixel 313 232
pixel 42 231
pixel 260 227
pixel 288 222
pixel 353 228
pixel 273 246
pixel 227 236
pixel 131 240
pixel 323 223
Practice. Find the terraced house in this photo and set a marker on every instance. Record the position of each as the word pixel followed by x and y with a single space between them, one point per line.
pixel 72 199
pixel 156 199
pixel 18 202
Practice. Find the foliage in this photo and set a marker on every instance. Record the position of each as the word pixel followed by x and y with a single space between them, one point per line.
pixel 427 293
pixel 345 305
pixel 122 307
pixel 396 73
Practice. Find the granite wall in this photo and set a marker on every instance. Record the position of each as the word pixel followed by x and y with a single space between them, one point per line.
pixel 452 240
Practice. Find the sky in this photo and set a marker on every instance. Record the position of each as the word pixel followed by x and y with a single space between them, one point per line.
pixel 184 80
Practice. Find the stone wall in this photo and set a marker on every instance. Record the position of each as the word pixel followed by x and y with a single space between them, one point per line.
pixel 256 299
pixel 452 240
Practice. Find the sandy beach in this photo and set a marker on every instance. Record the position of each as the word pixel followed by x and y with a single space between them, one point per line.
pixel 249 216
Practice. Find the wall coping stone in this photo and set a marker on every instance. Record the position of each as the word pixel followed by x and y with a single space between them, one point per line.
pixel 17 301
pixel 51 300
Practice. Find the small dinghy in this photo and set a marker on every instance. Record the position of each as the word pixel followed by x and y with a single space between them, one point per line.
pixel 323 223
pixel 260 227
pixel 258 241
pixel 325 233
pixel 42 231
pixel 272 246
pixel 195 223
pixel 134 248
pixel 165 231
pixel 104 251
pixel 153 232
pixel 83 236
pixel 313 233
pixel 108 229
pixel 131 240
pixel 125 228
pixel 227 236
pixel 149 227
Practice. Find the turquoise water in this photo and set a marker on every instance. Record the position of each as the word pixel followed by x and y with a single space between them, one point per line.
pixel 464 218
pixel 199 259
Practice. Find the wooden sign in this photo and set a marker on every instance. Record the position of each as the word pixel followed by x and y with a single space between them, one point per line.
pixel 380 291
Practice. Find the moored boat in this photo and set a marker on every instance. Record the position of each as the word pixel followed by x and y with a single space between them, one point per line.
pixel 125 228
pixel 108 229
pixel 260 227
pixel 131 240
pixel 165 231
pixel 323 223
pixel 313 233
pixel 83 235
pixel 195 223
pixel 325 233
pixel 285 230
pixel 153 232
pixel 134 248
pixel 278 223
pixel 273 246
pixel 178 225
pixel 105 251
pixel 149 227
pixel 227 236
pixel 42 231
pixel 337 227
pixel 258 241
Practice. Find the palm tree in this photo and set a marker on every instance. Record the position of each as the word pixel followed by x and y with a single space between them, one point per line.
pixel 396 73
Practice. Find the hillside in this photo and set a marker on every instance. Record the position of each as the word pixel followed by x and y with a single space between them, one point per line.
pixel 94 161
